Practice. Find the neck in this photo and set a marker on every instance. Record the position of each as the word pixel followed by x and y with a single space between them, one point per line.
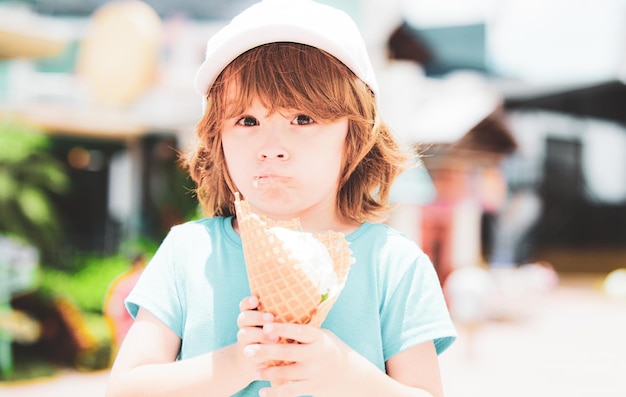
pixel 314 223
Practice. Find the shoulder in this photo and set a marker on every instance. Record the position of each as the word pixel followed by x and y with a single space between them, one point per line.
pixel 387 251
pixel 201 229
pixel 199 237
pixel 384 239
pixel 203 224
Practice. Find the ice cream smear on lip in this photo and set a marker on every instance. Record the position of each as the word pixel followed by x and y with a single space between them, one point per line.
pixel 264 180
pixel 258 180
pixel 312 257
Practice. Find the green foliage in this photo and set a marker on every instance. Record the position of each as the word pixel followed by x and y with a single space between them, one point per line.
pixel 83 289
pixel 87 286
pixel 29 366
pixel 138 246
pixel 29 177
pixel 100 356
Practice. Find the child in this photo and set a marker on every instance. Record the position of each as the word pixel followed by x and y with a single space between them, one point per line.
pixel 291 123
pixel 117 317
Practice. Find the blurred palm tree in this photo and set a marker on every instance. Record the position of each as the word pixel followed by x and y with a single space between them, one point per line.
pixel 29 178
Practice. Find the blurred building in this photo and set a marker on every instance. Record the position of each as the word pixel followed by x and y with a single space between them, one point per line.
pixel 562 101
pixel 543 76
pixel 117 121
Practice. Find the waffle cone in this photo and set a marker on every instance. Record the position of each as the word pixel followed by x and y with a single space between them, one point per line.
pixel 276 278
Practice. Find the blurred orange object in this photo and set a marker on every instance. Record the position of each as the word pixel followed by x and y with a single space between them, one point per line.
pixel 27 44
pixel 118 319
pixel 119 56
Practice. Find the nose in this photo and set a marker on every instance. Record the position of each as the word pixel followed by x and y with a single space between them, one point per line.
pixel 273 146
pixel 270 153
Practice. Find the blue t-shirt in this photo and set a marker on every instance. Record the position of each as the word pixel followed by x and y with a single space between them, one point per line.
pixel 392 299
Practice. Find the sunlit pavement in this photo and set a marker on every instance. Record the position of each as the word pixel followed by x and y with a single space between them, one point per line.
pixel 68 384
pixel 568 342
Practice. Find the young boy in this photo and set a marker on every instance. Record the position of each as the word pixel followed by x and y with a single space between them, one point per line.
pixel 291 123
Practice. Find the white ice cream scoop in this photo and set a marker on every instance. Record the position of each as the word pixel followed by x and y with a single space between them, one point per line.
pixel 313 258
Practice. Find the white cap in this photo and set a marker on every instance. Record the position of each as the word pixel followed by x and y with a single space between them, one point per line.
pixel 297 21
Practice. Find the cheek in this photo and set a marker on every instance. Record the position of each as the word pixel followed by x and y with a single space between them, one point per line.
pixel 329 155
pixel 234 157
pixel 228 147
pixel 234 148
pixel 337 148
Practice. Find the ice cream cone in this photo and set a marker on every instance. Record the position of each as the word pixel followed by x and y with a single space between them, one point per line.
pixel 276 277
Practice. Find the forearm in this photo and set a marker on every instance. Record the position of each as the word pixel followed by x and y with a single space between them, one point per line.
pixel 211 374
pixel 369 380
pixel 383 385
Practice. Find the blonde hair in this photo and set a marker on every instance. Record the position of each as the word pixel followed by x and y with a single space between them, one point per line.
pixel 297 76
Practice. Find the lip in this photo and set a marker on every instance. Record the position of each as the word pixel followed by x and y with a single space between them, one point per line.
pixel 266 179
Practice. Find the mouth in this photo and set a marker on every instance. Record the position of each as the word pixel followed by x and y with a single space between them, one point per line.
pixel 264 180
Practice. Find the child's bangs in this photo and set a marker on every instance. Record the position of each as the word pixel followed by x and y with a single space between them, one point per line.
pixel 289 76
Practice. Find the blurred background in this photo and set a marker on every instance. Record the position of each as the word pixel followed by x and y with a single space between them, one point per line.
pixel 517 108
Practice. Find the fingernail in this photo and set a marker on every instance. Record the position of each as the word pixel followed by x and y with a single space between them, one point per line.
pixel 267 328
pixel 249 351
pixel 269 317
pixel 262 393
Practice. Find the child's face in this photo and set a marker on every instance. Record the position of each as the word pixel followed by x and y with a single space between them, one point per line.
pixel 285 164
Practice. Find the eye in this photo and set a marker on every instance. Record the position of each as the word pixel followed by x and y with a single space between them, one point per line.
pixel 248 121
pixel 302 119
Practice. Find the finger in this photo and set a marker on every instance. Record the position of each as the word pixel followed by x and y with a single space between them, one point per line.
pixel 248 303
pixel 250 335
pixel 284 352
pixel 251 354
pixel 249 316
pixel 253 333
pixel 300 333
pixel 283 373
pixel 253 318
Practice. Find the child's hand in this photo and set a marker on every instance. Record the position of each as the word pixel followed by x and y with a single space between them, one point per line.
pixel 320 361
pixel 250 323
